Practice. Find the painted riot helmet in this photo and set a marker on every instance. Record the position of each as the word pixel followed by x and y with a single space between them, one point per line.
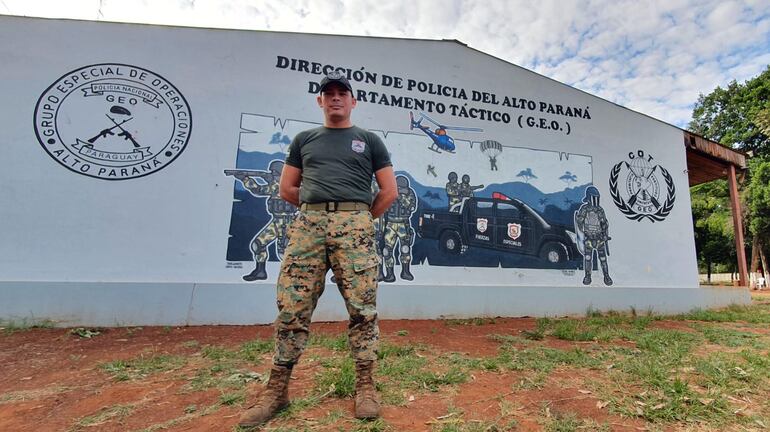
pixel 452 177
pixel 592 196
pixel 276 167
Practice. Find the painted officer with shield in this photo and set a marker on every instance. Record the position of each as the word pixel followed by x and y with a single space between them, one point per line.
pixel 592 231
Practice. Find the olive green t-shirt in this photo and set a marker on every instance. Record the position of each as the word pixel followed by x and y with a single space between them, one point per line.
pixel 337 164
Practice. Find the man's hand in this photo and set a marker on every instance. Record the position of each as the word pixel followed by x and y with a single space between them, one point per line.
pixel 386 180
pixel 291 178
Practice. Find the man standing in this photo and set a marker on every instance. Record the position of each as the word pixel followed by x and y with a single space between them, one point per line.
pixel 328 174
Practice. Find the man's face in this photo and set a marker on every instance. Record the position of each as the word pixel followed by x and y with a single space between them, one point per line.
pixel 337 102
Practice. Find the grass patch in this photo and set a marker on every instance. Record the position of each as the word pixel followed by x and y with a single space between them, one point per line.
pixel 725 371
pixel 512 340
pixel 26 395
pixel 569 422
pixel 104 415
pixel 142 366
pixel 595 327
pixel 251 351
pixel 404 368
pixel 223 377
pixel 228 368
pixel 377 425
pixel 10 327
pixel 755 314
pixel 182 419
pixel 728 337
pixel 454 421
pixel 191 344
pixel 337 343
pixel 298 406
pixel 234 398
pixel 470 321
pixel 545 359
pixel 390 350
pixel 338 377
pixel 665 381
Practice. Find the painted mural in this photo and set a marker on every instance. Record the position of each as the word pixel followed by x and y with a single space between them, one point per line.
pixel 464 200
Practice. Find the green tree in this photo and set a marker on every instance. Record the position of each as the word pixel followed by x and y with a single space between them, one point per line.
pixel 757 195
pixel 734 116
pixel 737 116
pixel 714 234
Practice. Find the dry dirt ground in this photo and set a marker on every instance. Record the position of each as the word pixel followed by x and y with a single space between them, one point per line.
pixel 437 375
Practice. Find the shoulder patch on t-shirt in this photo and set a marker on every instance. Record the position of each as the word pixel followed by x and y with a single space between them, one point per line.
pixel 358 146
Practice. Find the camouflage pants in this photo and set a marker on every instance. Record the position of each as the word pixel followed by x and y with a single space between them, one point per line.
pixel 271 232
pixel 402 233
pixel 319 240
pixel 589 246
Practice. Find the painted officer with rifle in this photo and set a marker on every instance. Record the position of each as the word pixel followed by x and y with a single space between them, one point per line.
pixel 281 213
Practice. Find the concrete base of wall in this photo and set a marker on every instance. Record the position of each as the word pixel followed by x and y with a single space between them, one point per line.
pixel 130 304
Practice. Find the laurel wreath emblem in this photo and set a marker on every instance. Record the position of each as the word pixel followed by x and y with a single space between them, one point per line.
pixel 627 210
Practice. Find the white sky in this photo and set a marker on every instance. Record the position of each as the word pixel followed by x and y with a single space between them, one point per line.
pixel 652 56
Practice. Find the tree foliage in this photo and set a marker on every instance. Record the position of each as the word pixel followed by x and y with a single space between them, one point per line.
pixel 758 198
pixel 736 116
pixel 712 218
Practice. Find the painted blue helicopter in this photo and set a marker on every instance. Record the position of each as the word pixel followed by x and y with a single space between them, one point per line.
pixel 440 138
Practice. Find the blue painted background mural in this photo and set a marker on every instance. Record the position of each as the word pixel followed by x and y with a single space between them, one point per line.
pixel 462 203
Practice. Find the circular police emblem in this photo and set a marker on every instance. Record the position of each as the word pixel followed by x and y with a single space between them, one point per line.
pixel 648 189
pixel 113 121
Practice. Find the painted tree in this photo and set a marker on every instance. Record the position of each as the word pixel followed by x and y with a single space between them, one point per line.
pixel 527 174
pixel 568 178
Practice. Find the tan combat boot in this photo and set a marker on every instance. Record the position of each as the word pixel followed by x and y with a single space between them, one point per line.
pixel 367 401
pixel 273 398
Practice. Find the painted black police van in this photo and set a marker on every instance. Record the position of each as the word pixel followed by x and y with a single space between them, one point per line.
pixel 500 223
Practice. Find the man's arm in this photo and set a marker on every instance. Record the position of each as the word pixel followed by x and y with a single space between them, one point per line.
pixel 386 180
pixel 291 178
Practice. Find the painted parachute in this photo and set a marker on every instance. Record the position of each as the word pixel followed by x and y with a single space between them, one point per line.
pixel 491 149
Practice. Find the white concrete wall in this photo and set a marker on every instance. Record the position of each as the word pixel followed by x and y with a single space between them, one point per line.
pixel 115 208
pixel 130 304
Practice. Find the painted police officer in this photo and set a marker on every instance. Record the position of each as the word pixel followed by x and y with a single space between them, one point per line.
pixel 328 174
pixel 591 221
pixel 398 229
pixel 281 213
pixel 465 189
pixel 452 189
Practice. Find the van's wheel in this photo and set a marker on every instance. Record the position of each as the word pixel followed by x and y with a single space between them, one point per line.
pixel 451 243
pixel 554 253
